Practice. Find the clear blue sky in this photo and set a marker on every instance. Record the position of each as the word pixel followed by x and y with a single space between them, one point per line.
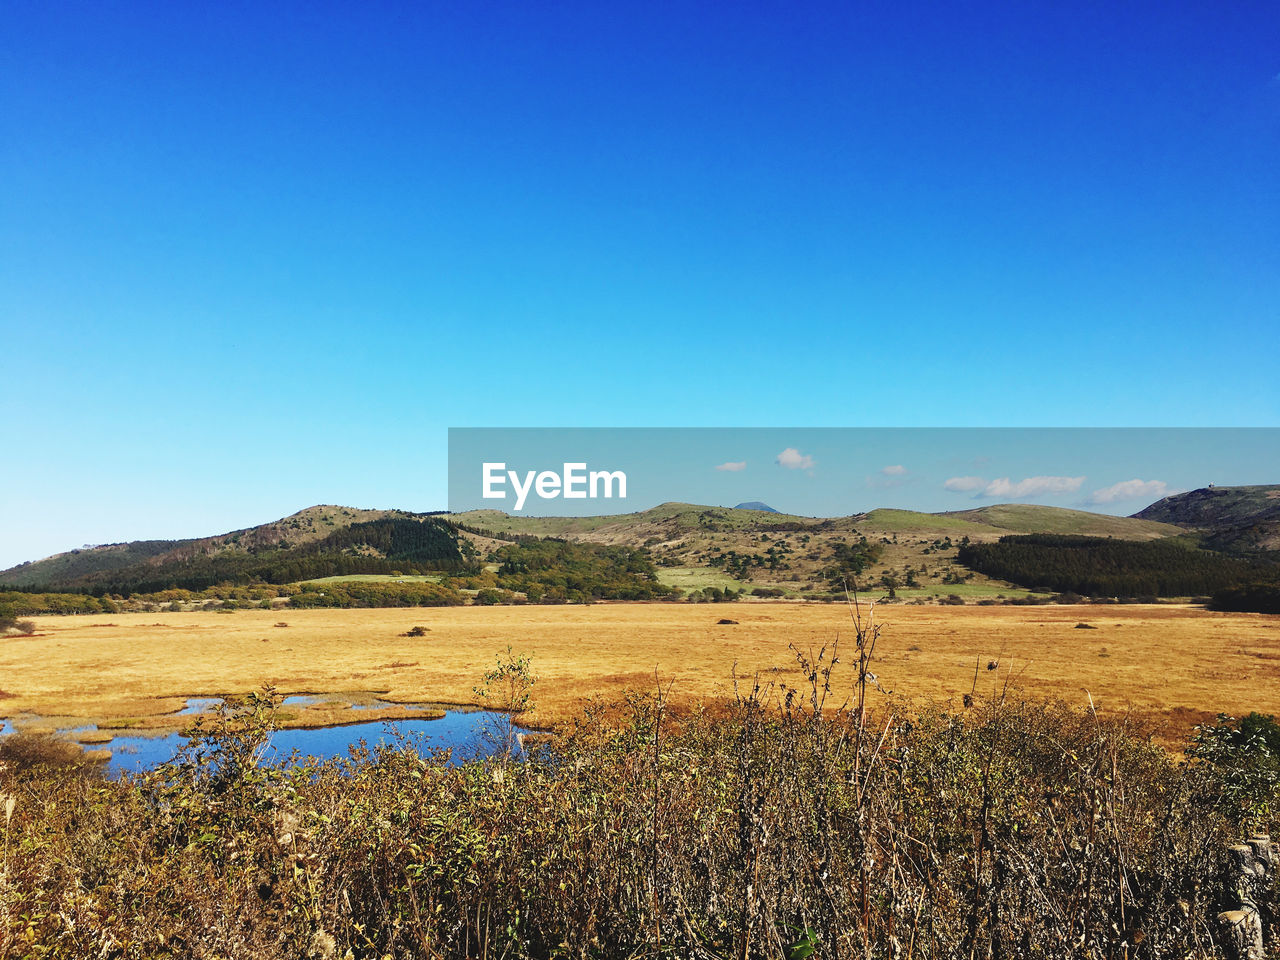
pixel 257 256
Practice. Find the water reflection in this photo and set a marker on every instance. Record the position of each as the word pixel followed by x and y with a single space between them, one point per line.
pixel 468 733
pixel 200 705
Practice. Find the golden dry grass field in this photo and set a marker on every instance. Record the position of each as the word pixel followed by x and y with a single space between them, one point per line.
pixel 1176 664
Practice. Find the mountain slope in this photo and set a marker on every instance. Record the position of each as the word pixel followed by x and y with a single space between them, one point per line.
pixel 667 517
pixel 86 562
pixel 794 553
pixel 1033 518
pixel 1235 519
pixel 318 541
pixel 799 553
pixel 70 567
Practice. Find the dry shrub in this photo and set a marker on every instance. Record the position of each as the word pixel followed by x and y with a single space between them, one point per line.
pixel 779 827
pixel 27 753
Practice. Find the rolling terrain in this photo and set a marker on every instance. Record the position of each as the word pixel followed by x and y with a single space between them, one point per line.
pixel 798 554
pixel 694 547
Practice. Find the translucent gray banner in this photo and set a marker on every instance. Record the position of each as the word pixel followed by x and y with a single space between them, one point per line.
pixel 822 472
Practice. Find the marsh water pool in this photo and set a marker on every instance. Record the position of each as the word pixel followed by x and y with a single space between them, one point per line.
pixel 468 734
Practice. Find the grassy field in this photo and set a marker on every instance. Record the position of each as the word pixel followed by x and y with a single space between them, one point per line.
pixel 697 578
pixel 684 538
pixel 1031 518
pixel 887 520
pixel 1177 663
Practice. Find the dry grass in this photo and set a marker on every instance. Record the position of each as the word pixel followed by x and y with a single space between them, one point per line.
pixel 1176 663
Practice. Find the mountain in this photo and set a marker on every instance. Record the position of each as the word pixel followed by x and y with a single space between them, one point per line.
pixel 316 542
pixel 1231 519
pixel 86 562
pixel 756 505
pixel 689 543
pixel 796 554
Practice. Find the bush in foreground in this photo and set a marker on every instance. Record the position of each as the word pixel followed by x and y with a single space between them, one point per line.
pixel 774 828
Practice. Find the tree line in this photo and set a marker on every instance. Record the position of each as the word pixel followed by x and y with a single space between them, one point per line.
pixel 1250 598
pixel 374 594
pixel 1103 566
pixel 24 603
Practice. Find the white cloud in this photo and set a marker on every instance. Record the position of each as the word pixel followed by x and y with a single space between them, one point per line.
pixel 897 470
pixel 1031 487
pixel 733 466
pixel 793 459
pixel 965 484
pixel 1149 490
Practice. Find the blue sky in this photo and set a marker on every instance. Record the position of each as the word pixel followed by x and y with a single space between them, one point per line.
pixel 259 256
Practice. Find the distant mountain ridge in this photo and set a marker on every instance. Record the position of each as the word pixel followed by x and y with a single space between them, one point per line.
pixel 796 554
pixel 753 540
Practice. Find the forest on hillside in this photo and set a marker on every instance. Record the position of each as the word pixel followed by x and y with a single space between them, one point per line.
pixel 1102 566
pixel 385 546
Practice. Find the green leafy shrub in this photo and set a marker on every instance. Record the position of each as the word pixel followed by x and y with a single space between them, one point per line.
pixel 346 594
pixel 1246 756
pixel 559 571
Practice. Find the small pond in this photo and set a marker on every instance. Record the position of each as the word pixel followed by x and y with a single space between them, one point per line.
pixel 468 733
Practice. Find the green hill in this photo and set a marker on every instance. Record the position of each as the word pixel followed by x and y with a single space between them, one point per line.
pixel 686 542
pixel 669 517
pixel 802 554
pixel 87 562
pixel 886 520
pixel 317 542
pixel 1033 518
